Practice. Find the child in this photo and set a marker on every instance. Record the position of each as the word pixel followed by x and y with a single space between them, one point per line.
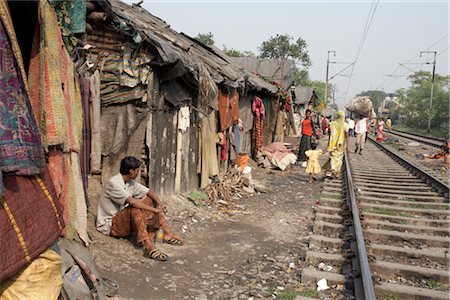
pixel 313 166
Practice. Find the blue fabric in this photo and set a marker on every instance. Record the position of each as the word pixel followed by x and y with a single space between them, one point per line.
pixel 237 138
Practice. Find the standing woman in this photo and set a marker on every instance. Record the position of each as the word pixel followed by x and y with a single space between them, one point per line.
pixel 308 129
pixel 338 143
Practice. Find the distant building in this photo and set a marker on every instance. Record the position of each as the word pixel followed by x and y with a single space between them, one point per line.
pixel 390 102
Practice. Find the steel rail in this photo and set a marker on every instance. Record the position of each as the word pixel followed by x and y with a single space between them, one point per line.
pixel 435 142
pixel 366 275
pixel 433 180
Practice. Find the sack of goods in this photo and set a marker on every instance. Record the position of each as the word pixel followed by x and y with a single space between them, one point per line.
pixel 361 105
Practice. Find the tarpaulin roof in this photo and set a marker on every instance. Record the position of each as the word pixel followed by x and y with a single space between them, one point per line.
pixel 182 51
pixel 279 70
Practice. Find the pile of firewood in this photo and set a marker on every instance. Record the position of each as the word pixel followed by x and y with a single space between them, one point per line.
pixel 224 190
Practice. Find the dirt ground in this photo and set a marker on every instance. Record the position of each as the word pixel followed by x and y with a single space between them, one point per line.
pixel 247 253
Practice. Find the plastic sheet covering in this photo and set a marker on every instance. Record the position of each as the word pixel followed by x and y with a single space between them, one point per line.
pixel 41 279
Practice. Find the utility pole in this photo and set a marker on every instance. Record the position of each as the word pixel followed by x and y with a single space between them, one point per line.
pixel 326 76
pixel 432 86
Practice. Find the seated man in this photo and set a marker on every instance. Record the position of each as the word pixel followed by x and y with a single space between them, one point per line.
pixel 127 206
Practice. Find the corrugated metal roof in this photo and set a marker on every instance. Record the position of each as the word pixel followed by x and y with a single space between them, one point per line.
pixel 279 70
pixel 174 47
pixel 303 94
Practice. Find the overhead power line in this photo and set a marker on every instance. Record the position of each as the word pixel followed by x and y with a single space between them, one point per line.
pixel 414 69
pixel 409 60
pixel 373 9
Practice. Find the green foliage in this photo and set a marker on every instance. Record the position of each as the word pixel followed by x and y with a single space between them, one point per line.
pixel 414 102
pixel 205 38
pixel 376 96
pixel 311 293
pixel 391 296
pixel 280 46
pixel 301 77
pixel 288 294
pixel 437 285
pixel 236 53
pixel 319 88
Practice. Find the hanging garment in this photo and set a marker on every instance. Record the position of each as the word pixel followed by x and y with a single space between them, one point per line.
pixel 21 151
pixel 208 166
pixel 228 109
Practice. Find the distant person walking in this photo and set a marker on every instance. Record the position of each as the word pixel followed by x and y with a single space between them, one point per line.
pixel 380 127
pixel 308 129
pixel 324 125
pixel 351 126
pixel 389 124
pixel 338 143
pixel 361 134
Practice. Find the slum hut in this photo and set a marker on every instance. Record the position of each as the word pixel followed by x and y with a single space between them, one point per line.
pixel 302 96
pixel 282 73
pixel 163 97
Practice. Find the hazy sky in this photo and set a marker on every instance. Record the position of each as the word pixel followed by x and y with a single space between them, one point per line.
pixel 399 31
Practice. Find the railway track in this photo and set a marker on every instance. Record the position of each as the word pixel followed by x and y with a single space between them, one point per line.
pixel 381 231
pixel 435 142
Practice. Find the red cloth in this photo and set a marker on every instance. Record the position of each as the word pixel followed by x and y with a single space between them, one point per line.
pixel 223 151
pixel 288 105
pixel 307 127
pixel 258 107
pixel 257 132
pixel 324 123
pixel 228 109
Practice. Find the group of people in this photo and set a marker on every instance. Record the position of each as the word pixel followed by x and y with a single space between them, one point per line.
pixel 339 130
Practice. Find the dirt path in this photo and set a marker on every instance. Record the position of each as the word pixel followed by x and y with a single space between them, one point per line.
pixel 239 255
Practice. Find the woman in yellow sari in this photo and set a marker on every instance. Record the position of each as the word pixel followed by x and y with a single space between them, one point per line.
pixel 337 143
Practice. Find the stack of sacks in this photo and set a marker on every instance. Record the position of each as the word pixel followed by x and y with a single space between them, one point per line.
pixel 361 105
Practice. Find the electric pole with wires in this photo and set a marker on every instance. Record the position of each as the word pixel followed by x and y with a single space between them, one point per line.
pixel 432 87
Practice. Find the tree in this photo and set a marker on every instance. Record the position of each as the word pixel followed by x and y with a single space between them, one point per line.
pixel 205 38
pixel 376 96
pixel 301 77
pixel 319 88
pixel 236 53
pixel 414 102
pixel 280 46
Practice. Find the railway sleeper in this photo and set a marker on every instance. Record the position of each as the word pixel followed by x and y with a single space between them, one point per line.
pixel 310 276
pixel 401 196
pixel 415 187
pixel 391 180
pixel 341 264
pixel 386 177
pixel 401 191
pixel 408 203
pixel 411 183
pixel 379 236
pixel 407 228
pixel 384 174
pixel 332 202
pixel 321 241
pixel 405 211
pixel 328 210
pixel 387 269
pixel 336 219
pixel 385 290
pixel 402 201
pixel 404 220
pixel 419 254
pixel 330 229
